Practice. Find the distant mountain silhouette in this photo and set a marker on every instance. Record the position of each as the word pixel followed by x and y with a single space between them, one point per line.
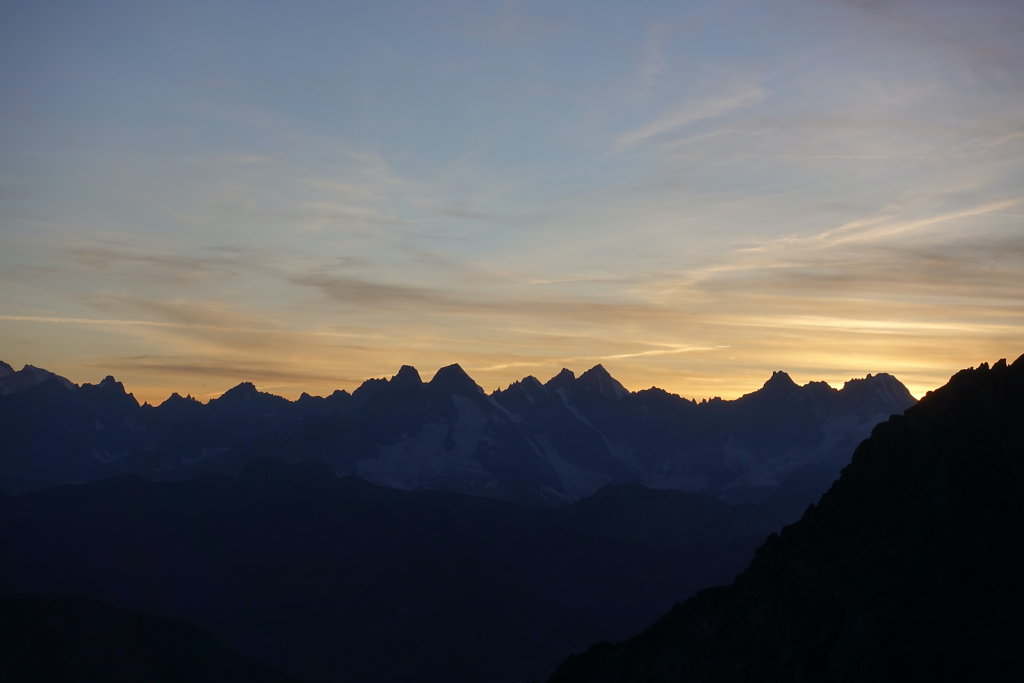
pixel 908 569
pixel 66 640
pixel 12 382
pixel 336 579
pixel 531 442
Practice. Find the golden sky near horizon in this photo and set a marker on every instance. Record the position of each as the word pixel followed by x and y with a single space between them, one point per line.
pixel 691 194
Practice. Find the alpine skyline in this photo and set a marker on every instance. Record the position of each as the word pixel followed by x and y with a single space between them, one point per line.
pixel 306 195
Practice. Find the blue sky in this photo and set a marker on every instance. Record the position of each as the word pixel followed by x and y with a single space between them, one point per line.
pixel 307 194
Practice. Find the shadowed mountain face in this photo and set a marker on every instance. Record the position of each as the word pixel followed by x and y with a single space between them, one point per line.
pixel 12 382
pixel 532 442
pixel 78 639
pixel 337 579
pixel 908 569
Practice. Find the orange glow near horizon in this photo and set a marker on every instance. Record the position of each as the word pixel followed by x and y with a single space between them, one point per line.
pixel 697 371
pixel 579 187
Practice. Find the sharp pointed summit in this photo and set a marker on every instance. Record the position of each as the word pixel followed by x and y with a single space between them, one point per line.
pixel 531 383
pixel 453 379
pixel 598 380
pixel 779 386
pixel 242 390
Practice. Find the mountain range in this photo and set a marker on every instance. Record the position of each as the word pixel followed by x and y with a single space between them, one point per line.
pixel 908 569
pixel 532 442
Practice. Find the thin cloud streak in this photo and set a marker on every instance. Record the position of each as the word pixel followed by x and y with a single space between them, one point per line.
pixel 113 322
pixel 606 357
pixel 736 97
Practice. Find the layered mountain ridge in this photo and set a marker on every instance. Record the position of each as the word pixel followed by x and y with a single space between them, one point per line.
pixel 336 579
pixel 907 569
pixel 530 442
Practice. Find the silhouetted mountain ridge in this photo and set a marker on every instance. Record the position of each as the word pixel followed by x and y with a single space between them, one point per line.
pixel 908 569
pixel 531 442
pixel 12 382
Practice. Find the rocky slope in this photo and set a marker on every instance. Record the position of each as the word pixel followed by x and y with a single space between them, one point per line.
pixel 908 569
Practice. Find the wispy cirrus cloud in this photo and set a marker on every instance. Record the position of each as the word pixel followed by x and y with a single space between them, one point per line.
pixel 724 100
pixel 877 228
pixel 153 264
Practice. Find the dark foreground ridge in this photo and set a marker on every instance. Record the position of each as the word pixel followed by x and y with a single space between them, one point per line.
pixel 909 569
pixel 335 579
pixel 80 639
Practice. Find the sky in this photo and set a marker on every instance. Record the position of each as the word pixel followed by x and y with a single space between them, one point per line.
pixel 307 193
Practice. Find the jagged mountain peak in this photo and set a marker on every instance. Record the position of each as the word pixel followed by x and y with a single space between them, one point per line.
pixel 241 391
pixel 877 378
pixel 407 376
pixel 370 387
pixel 599 380
pixel 780 379
pixel 177 399
pixel 779 385
pixel 28 377
pixel 529 384
pixel 564 379
pixel 108 386
pixel 453 379
pixel 528 388
pixel 110 393
pixel 928 510
pixel 882 387
pixel 532 383
pixel 5 370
